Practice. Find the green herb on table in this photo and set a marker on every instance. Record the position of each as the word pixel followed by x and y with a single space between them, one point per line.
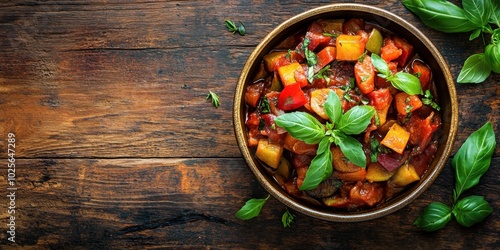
pixel 232 27
pixel 287 218
pixel 214 97
pixel 305 127
pixel 470 163
pixel 251 208
pixel 401 80
pixel 477 16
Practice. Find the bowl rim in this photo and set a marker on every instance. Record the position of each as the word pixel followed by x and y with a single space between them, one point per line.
pixel 331 215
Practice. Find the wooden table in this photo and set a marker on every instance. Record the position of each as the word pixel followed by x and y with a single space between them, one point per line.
pixel 117 147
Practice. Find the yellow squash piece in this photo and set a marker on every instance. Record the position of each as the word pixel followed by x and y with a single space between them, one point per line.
pixel 396 139
pixel 375 172
pixel 405 175
pixel 349 47
pixel 269 153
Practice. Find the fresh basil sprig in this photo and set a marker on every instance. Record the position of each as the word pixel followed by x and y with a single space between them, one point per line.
pixel 287 218
pixel 470 163
pixel 477 16
pixel 401 80
pixel 305 127
pixel 251 208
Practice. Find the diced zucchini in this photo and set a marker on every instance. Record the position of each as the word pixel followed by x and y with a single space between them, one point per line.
pixel 269 153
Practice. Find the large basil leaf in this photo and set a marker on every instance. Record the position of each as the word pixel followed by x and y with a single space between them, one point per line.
pixel 320 167
pixel 475 70
pixel 473 159
pixel 352 150
pixel 441 15
pixel 477 11
pixel 302 126
pixel 333 107
pixel 434 217
pixel 471 210
pixel 356 119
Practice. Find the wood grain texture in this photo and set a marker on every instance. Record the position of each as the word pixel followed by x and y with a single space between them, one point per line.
pixel 117 147
pixel 190 203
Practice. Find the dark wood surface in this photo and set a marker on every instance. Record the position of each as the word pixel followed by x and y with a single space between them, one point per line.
pixel 117 147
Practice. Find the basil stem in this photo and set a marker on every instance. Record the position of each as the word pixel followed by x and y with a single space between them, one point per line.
pixel 473 159
pixel 434 217
pixel 441 15
pixel 471 210
pixel 251 208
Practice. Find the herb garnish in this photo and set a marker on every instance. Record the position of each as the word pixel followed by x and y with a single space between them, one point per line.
pixel 305 127
pixel 401 80
pixel 232 27
pixel 470 163
pixel 214 97
pixel 251 208
pixel 287 218
pixel 478 16
pixel 428 99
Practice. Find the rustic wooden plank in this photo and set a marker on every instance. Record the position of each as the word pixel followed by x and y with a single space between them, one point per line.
pixel 190 203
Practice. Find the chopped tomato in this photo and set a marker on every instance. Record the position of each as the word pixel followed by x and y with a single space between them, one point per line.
pixel 406 50
pixel 364 71
pixel 325 56
pixel 359 175
pixel 366 193
pixel 406 103
pixel 316 37
pixel 253 93
pixel 421 130
pixel 292 97
pixel 381 100
pixel 424 73
pixel 276 59
pixel 389 51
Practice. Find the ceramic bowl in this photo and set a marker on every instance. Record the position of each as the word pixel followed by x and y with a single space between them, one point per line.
pixel 423 46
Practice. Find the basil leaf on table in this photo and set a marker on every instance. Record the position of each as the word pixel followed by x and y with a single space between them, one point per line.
pixel 434 217
pixel 477 11
pixel 441 15
pixel 333 107
pixel 473 159
pixel 251 208
pixel 356 119
pixel 495 12
pixel 320 167
pixel 471 210
pixel 302 126
pixel 475 70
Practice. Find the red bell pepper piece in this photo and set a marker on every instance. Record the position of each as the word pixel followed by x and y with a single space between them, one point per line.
pixel 292 97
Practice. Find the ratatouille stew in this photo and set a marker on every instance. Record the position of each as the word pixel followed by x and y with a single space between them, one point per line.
pixel 343 114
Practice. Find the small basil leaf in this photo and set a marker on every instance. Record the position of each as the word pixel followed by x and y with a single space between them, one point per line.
pixel 356 119
pixel 471 210
pixel 333 107
pixel 381 66
pixel 320 167
pixel 287 218
pixel 475 70
pixel 407 82
pixel 477 11
pixel 434 217
pixel 251 208
pixel 353 150
pixel 302 126
pixel 475 34
pixel 441 15
pixel 473 158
